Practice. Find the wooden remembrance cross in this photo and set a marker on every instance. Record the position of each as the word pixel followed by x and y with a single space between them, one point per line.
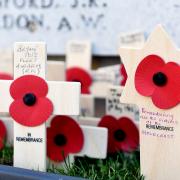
pixel 30 59
pixel 157 97
pixel 78 54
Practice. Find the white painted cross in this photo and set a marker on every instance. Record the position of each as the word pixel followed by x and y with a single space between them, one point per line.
pixel 159 127
pixel 78 55
pixel 95 138
pixel 95 143
pixel 30 58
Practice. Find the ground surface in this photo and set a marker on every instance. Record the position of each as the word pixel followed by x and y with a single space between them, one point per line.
pixel 121 166
pixel 118 167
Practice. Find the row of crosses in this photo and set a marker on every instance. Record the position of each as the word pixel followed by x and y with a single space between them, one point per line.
pixel 52 98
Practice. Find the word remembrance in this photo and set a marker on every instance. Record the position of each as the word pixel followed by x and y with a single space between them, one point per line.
pixel 31 100
pixel 154 85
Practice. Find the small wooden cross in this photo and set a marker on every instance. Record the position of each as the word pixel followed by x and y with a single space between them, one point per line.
pixel 30 58
pixel 95 138
pixel 159 127
pixel 78 55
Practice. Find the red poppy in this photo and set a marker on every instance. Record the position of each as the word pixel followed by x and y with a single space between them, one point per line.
pixel 2 134
pixel 123 74
pixel 123 135
pixel 80 75
pixel 159 80
pixel 30 106
pixel 64 136
pixel 5 76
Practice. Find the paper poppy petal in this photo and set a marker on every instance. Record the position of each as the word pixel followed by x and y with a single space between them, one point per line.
pixel 168 96
pixel 2 134
pixel 56 121
pixel 111 124
pixel 172 71
pixel 5 76
pixel 28 84
pixel 74 132
pixel 71 128
pixel 54 152
pixel 131 141
pixel 144 74
pixel 123 74
pixel 57 154
pixel 31 115
pixel 80 75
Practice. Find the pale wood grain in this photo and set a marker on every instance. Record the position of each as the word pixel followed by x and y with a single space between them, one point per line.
pixel 160 158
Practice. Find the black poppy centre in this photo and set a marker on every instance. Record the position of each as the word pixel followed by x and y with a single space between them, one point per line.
pixel 60 140
pixel 76 80
pixel 119 135
pixel 160 79
pixel 29 99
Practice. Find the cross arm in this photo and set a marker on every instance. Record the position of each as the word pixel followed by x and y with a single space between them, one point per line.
pixel 96 140
pixel 64 96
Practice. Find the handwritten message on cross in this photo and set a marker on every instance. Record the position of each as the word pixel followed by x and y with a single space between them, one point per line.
pixel 116 108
